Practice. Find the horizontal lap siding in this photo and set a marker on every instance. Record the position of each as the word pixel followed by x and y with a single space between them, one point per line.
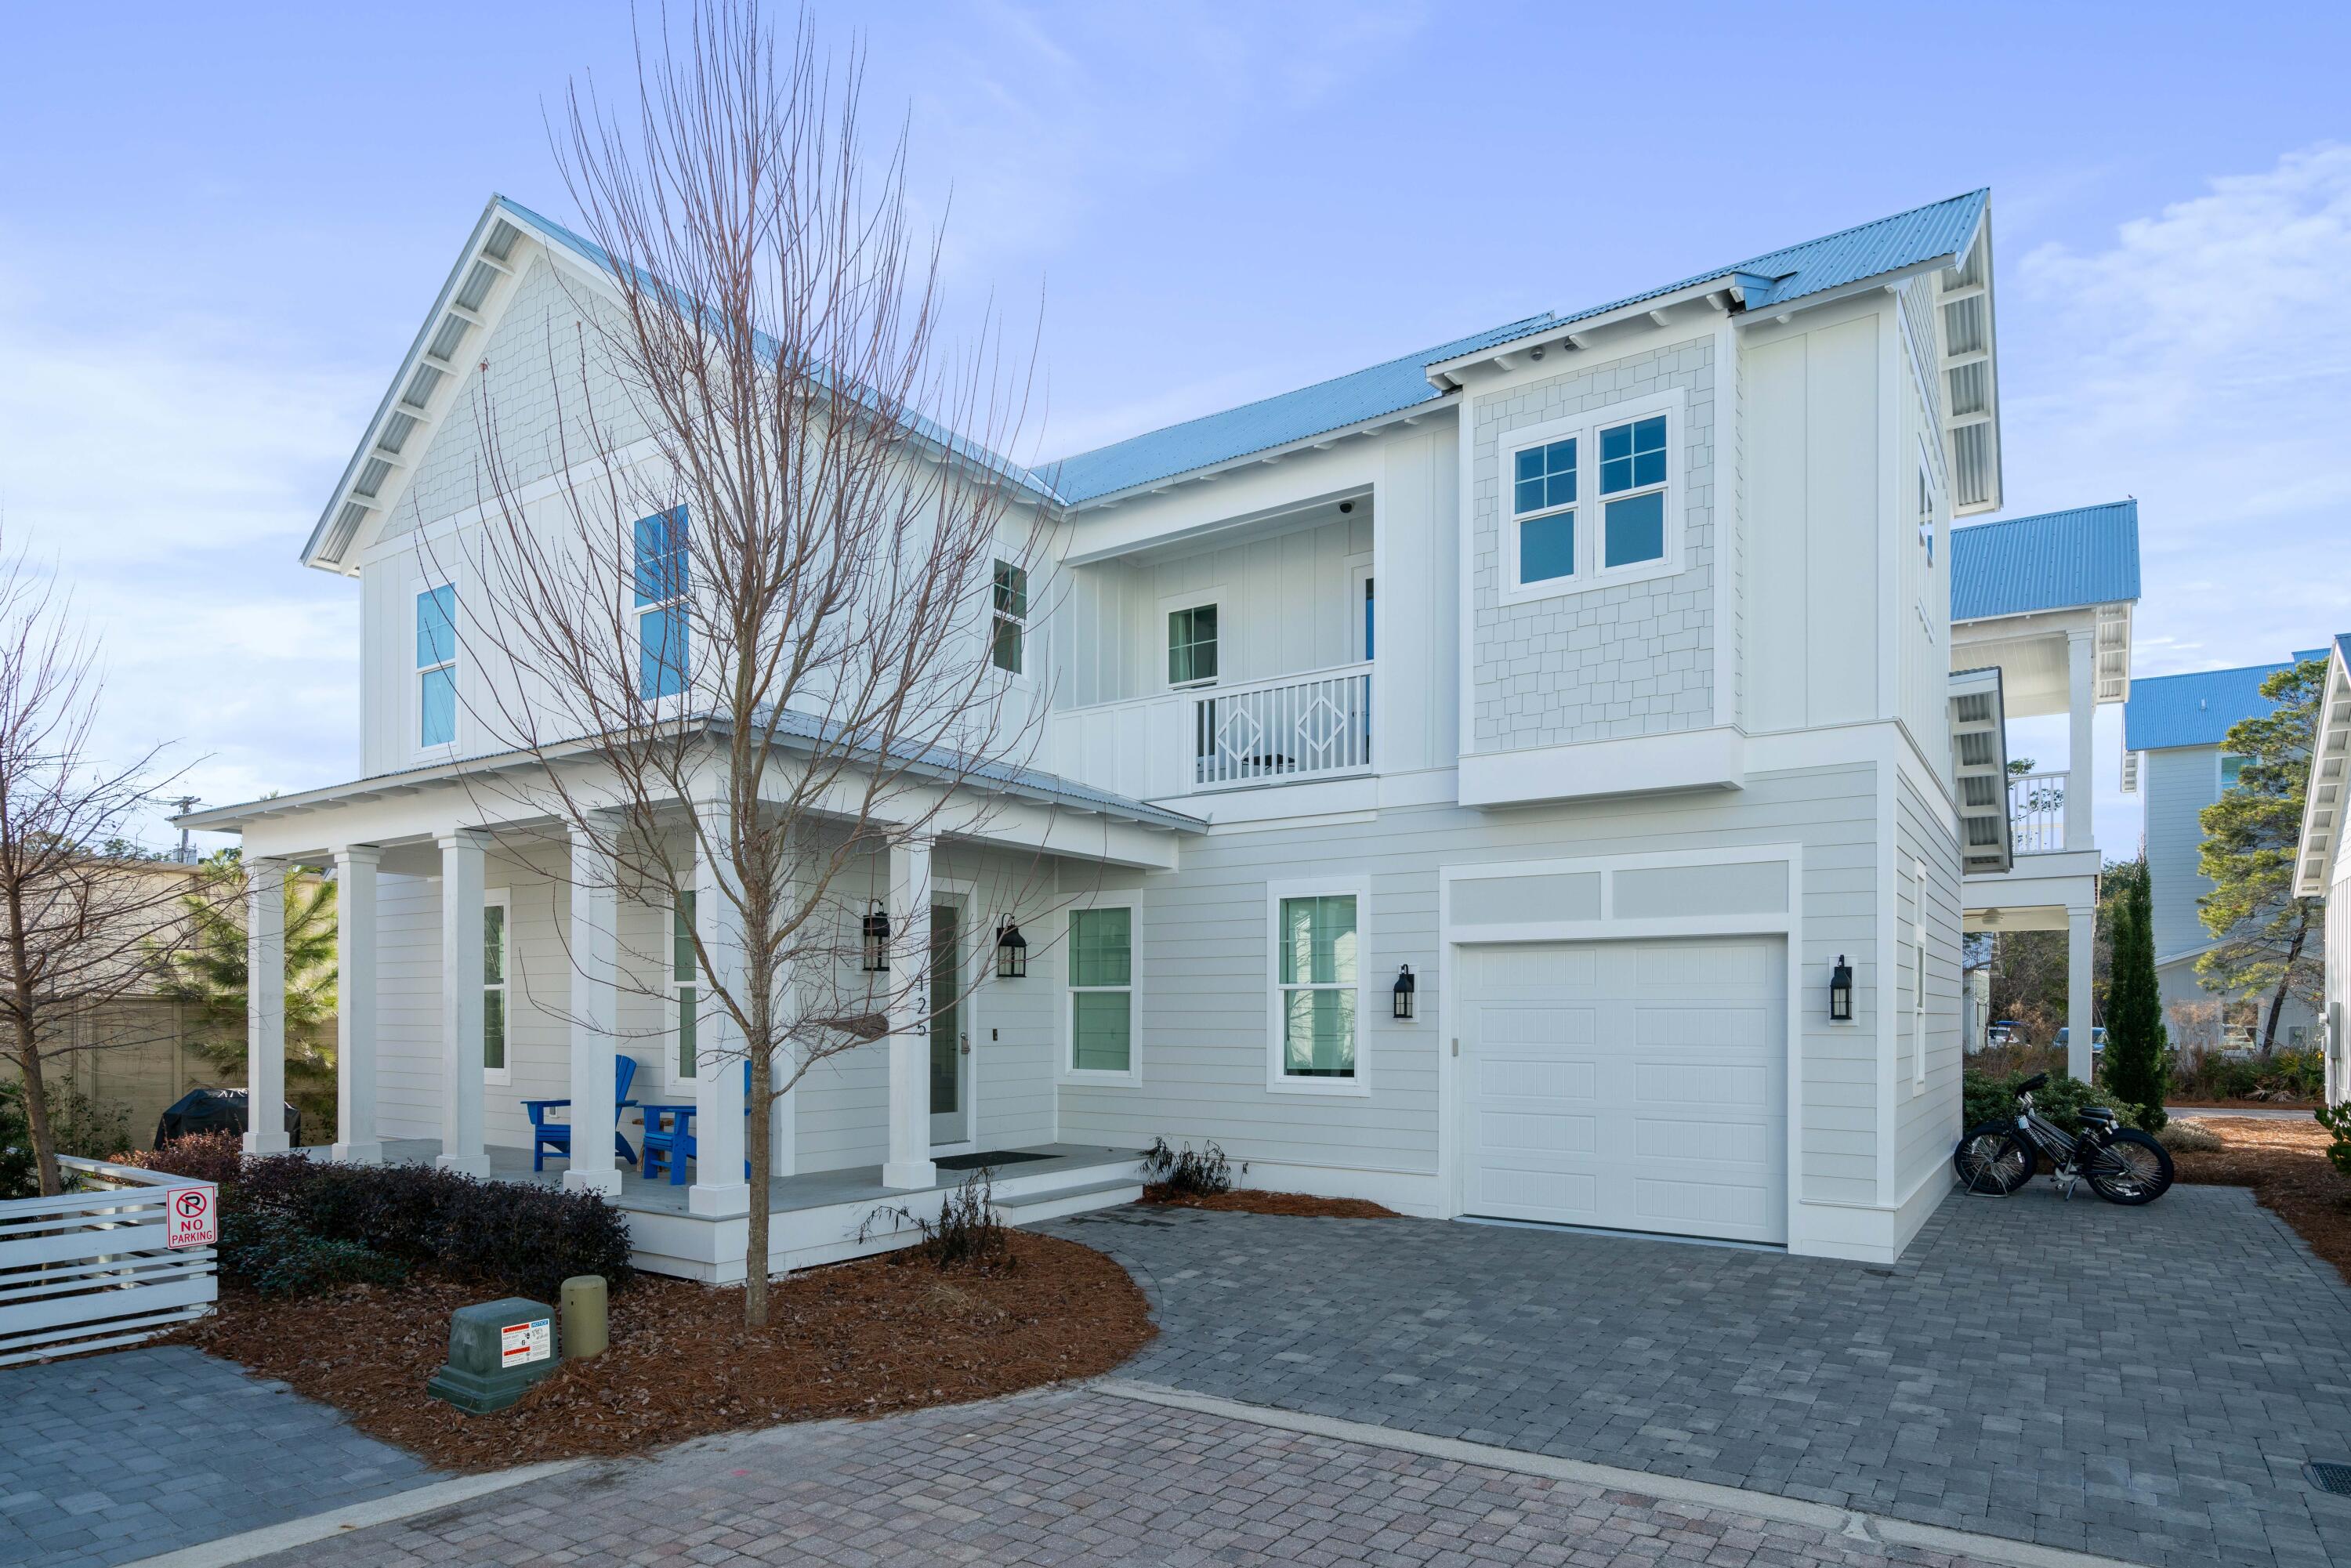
pixel 1202 1020
pixel 1927 1125
pixel 408 1008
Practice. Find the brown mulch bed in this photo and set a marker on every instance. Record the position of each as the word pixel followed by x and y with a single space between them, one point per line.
pixel 2241 1105
pixel 1246 1200
pixel 857 1339
pixel 2285 1165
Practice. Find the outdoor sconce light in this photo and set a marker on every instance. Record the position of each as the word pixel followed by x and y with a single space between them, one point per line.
pixel 1011 953
pixel 877 940
pixel 1841 992
pixel 1405 987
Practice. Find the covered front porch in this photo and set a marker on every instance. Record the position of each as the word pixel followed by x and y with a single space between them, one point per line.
pixel 492 961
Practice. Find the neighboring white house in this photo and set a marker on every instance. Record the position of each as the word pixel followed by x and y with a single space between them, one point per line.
pixel 2046 601
pixel 1595 668
pixel 2174 759
pixel 2324 871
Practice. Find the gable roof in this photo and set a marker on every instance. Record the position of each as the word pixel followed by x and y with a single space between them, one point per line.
pixel 2329 791
pixel 2197 708
pixel 1384 389
pixel 2051 561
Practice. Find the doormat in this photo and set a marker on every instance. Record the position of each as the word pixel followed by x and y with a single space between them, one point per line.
pixel 992 1160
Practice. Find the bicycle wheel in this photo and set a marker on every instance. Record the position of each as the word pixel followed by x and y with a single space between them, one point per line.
pixel 1993 1159
pixel 2133 1168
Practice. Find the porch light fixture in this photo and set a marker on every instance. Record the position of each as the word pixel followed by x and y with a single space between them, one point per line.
pixel 877 940
pixel 1841 992
pixel 1011 953
pixel 1405 987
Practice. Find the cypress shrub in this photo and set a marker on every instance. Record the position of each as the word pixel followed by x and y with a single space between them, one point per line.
pixel 2136 1041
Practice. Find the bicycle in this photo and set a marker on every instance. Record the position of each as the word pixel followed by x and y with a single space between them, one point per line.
pixel 2121 1163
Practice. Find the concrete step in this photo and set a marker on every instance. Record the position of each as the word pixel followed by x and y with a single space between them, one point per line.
pixel 1034 1207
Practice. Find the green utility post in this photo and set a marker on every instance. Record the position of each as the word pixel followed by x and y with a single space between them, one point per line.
pixel 496 1350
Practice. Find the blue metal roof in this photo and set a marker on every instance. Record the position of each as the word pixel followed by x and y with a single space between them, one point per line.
pixel 1774 278
pixel 2053 560
pixel 2166 711
pixel 1277 421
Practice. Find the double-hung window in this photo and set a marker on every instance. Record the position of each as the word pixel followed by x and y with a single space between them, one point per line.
pixel 1006 650
pixel 684 986
pixel 660 580
pixel 1102 990
pixel 2233 768
pixel 1192 645
pixel 1316 978
pixel 1592 499
pixel 495 971
pixel 436 666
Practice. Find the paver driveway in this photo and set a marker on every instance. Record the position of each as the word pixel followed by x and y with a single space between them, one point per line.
pixel 2140 1382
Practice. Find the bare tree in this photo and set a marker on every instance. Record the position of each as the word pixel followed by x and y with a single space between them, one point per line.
pixel 82 923
pixel 766 622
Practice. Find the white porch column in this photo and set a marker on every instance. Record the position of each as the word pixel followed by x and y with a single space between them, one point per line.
pixel 718 1185
pixel 462 867
pixel 909 1166
pixel 595 1015
pixel 2081 959
pixel 2082 709
pixel 264 1007
pixel 356 1141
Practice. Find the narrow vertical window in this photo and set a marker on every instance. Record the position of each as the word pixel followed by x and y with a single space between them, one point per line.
pixel 494 990
pixel 1919 979
pixel 1316 971
pixel 436 666
pixel 1192 645
pixel 685 983
pixel 1633 492
pixel 1006 650
pixel 660 581
pixel 1102 990
pixel 1370 603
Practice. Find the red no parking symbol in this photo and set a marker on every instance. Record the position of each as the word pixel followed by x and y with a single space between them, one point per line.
pixel 192 1217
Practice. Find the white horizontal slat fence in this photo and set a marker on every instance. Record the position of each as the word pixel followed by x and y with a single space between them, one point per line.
pixel 90 1269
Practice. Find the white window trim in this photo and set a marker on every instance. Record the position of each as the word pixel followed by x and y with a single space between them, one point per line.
pixel 1026 675
pixel 1172 604
pixel 413 707
pixel 1066 1036
pixel 1277 1081
pixel 1933 542
pixel 2220 768
pixel 1586 427
pixel 673 704
pixel 1919 979
pixel 672 1079
pixel 1361 570
pixel 503 898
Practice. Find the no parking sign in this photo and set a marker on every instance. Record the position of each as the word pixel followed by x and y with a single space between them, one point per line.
pixel 191 1218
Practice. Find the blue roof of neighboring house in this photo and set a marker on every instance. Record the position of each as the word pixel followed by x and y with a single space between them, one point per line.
pixel 2052 561
pixel 1774 279
pixel 2198 709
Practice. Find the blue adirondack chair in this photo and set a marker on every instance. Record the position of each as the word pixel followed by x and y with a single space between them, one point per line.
pixel 555 1137
pixel 669 1137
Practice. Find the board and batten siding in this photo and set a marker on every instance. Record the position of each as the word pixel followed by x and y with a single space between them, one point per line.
pixel 1203 1008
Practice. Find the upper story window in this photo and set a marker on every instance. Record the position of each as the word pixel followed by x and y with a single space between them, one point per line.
pixel 1192 644
pixel 1634 490
pixel 1006 650
pixel 436 666
pixel 660 580
pixel 2232 766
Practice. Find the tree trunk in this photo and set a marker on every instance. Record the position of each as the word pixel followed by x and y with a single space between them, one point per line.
pixel 37 1109
pixel 755 1254
pixel 2285 977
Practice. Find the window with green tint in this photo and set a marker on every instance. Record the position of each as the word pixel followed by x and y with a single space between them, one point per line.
pixel 2231 768
pixel 1102 990
pixel 1192 644
pixel 685 990
pixel 1007 646
pixel 1315 967
pixel 494 987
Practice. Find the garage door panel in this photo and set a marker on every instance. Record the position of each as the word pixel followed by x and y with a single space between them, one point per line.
pixel 1639 1085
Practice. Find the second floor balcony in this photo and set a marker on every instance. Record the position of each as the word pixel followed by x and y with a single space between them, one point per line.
pixel 1287 729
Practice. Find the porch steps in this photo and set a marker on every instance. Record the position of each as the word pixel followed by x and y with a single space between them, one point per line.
pixel 1053 1203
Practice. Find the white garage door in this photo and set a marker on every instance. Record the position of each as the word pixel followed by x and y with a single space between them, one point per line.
pixel 1640 1085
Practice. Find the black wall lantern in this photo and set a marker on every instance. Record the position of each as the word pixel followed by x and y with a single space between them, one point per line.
pixel 1841 992
pixel 1011 953
pixel 1405 987
pixel 877 940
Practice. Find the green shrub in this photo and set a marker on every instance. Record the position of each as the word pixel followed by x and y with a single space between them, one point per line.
pixel 79 1125
pixel 273 1254
pixel 1987 1097
pixel 2336 1119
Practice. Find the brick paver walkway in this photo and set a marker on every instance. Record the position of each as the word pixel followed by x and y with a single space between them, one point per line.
pixel 114 1458
pixel 2145 1384
pixel 1074 1477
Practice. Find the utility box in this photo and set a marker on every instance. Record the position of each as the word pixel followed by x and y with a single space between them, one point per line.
pixel 496 1350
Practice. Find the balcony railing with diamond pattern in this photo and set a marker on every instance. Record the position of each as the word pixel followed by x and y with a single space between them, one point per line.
pixel 1282 731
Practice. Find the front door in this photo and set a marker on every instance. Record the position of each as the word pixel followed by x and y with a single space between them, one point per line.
pixel 950 1054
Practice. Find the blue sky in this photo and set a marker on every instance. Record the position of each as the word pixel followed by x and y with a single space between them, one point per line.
pixel 221 225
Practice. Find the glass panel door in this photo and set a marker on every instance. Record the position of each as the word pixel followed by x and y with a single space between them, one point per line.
pixel 950 1070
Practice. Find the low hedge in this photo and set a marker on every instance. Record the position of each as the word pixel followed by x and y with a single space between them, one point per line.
pixel 1991 1097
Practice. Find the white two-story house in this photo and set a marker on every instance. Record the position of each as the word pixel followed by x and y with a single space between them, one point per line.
pixel 1463 784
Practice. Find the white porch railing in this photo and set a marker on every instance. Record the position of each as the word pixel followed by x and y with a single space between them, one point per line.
pixel 2036 812
pixel 1276 732
pixel 90 1269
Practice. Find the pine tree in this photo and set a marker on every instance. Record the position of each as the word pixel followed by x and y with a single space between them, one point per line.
pixel 2136 1069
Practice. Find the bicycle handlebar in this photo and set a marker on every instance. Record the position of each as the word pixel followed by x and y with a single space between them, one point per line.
pixel 2030 1084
